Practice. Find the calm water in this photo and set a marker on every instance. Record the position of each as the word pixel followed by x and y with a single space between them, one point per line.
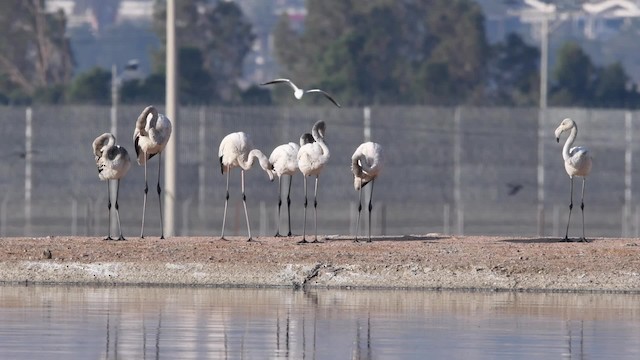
pixel 178 323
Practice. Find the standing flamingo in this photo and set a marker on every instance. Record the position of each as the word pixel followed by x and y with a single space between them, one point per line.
pixel 150 136
pixel 311 160
pixel 236 149
pixel 284 160
pixel 113 163
pixel 577 162
pixel 297 92
pixel 366 163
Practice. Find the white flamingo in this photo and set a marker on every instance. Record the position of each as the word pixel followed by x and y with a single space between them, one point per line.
pixel 297 92
pixel 311 160
pixel 113 163
pixel 236 150
pixel 577 162
pixel 366 163
pixel 284 160
pixel 150 137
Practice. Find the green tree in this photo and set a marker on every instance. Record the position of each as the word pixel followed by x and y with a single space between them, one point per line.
pixel 574 76
pixel 578 82
pixel 91 87
pixel 34 50
pixel 513 73
pixel 610 87
pixel 220 32
pixel 386 51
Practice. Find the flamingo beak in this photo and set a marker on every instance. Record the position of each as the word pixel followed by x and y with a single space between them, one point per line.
pixel 558 140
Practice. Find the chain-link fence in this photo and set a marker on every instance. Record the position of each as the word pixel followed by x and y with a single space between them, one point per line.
pixel 447 170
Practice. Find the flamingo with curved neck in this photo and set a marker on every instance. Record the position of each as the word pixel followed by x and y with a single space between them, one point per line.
pixel 236 150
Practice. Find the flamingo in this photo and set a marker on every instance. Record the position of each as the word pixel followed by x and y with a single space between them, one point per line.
pixel 311 160
pixel 284 162
pixel 366 163
pixel 236 150
pixel 577 162
pixel 113 163
pixel 297 92
pixel 150 136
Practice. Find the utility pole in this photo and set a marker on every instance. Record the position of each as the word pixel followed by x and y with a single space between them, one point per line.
pixel 171 110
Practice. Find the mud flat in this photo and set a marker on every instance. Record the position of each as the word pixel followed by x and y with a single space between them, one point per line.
pixel 392 262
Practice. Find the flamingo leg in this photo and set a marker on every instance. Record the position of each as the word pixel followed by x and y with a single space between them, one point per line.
pixel 566 235
pixel 226 201
pixel 370 208
pixel 146 190
pixel 304 226
pixel 359 210
pixel 160 197
pixel 118 211
pixel 244 203
pixel 289 204
pixel 108 211
pixel 315 210
pixel 583 239
pixel 279 204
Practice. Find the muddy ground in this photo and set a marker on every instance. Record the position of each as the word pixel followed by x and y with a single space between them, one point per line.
pixel 418 262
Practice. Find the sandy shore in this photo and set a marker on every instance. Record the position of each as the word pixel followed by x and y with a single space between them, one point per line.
pixel 427 262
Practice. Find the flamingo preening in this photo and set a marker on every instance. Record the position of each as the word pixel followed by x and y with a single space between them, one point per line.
pixel 311 160
pixel 284 160
pixel 366 163
pixel 236 150
pixel 113 163
pixel 297 92
pixel 150 137
pixel 577 162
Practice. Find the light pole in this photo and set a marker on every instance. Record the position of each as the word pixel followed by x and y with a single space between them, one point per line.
pixel 171 109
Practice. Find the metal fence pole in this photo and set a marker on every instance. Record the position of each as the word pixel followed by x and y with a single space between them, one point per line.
pixel 628 164
pixel 457 170
pixel 171 109
pixel 202 169
pixel 114 100
pixel 366 112
pixel 28 171
pixel 540 170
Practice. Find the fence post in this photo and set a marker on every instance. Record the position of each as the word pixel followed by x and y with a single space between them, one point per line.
pixel 445 219
pixel 114 100
pixel 28 171
pixel 540 171
pixel 3 214
pixel 170 160
pixel 628 164
pixel 457 170
pixel 74 216
pixel 202 169
pixel 366 112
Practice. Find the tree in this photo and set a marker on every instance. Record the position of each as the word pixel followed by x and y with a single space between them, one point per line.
pixel 610 87
pixel 574 76
pixel 34 51
pixel 513 73
pixel 222 35
pixel 386 51
pixel 91 87
pixel 578 82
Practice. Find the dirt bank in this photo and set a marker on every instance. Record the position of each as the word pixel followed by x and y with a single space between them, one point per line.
pixel 429 261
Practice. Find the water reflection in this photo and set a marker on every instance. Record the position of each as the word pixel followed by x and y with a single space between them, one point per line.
pixel 153 323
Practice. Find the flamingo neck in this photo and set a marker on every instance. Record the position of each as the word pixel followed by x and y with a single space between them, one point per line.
pixel 111 141
pixel 262 160
pixel 569 142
